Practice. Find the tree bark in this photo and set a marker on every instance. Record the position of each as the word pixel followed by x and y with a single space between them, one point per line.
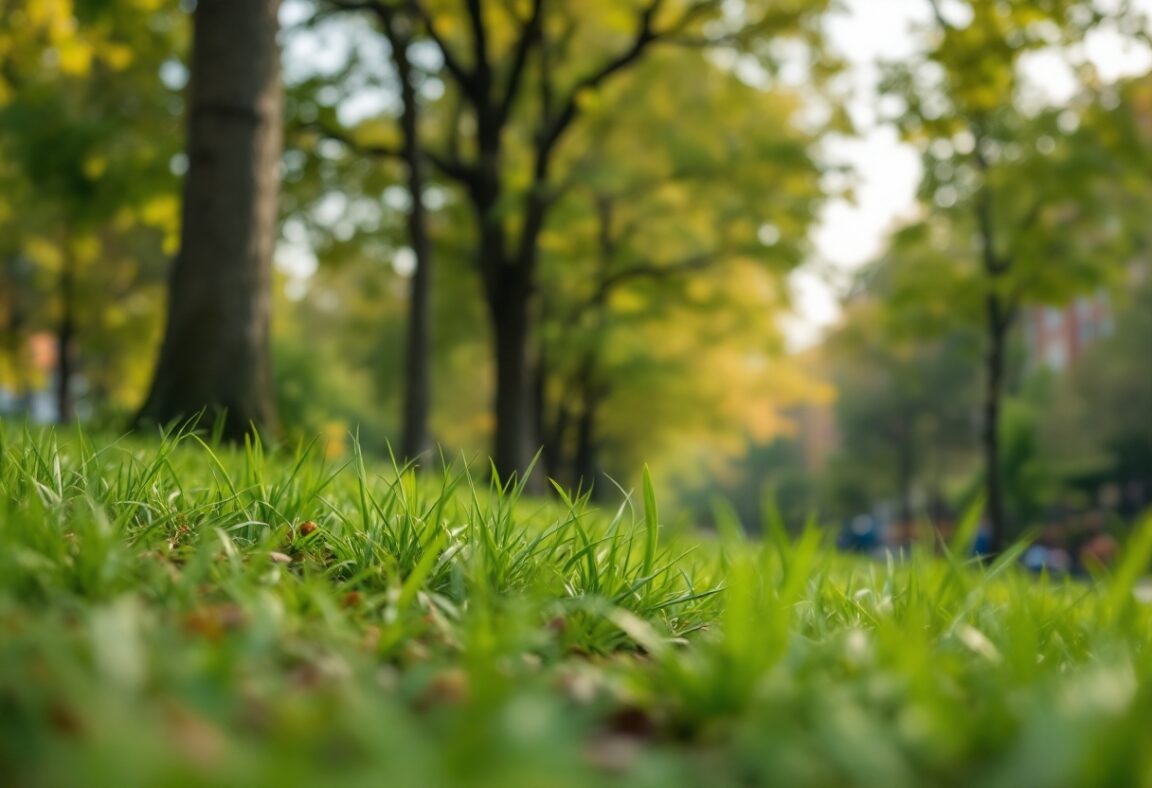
pixel 998 317
pixel 584 470
pixel 65 341
pixel 417 377
pixel 510 324
pixel 905 469
pixel 215 357
pixel 998 322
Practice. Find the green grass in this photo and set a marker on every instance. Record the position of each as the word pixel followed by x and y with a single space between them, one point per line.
pixel 166 618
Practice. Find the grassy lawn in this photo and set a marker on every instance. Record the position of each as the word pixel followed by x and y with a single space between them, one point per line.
pixel 176 615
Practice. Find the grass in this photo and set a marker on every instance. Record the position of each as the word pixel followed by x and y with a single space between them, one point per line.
pixel 177 614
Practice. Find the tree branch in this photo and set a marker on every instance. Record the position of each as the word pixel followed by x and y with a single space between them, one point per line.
pixel 348 141
pixel 449 166
pixel 938 14
pixel 645 35
pixel 461 74
pixel 529 35
pixel 377 8
pixel 481 67
pixel 994 264
pixel 452 167
pixel 684 265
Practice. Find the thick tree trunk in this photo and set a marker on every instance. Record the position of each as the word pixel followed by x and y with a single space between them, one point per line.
pixel 417 378
pixel 997 328
pixel 510 449
pixel 216 356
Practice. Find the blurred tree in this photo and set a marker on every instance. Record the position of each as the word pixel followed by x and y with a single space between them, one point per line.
pixel 215 354
pixel 996 163
pixel 1098 423
pixel 398 22
pixel 518 77
pixel 906 404
pixel 87 129
pixel 682 235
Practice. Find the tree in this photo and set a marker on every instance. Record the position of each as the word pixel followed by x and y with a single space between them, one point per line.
pixel 215 356
pixel 686 235
pixel 906 402
pixel 521 77
pixel 988 159
pixel 398 22
pixel 86 205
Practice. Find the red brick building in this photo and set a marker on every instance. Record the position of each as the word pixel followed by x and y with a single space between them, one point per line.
pixel 1057 336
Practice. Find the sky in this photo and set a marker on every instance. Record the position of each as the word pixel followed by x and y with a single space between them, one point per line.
pixel 888 171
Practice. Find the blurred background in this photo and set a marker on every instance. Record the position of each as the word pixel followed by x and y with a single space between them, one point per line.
pixel 868 261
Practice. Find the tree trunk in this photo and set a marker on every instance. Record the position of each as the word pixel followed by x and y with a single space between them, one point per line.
pixel 550 428
pixel 905 473
pixel 215 355
pixel 417 383
pixel 997 327
pixel 585 462
pixel 510 328
pixel 65 342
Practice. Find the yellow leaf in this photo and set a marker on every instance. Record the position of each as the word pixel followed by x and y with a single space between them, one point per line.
pixel 75 57
pixel 161 211
pixel 86 248
pixel 124 219
pixel 588 100
pixel 95 166
pixel 43 251
pixel 117 56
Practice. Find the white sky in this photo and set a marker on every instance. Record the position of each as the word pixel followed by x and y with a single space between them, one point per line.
pixel 888 171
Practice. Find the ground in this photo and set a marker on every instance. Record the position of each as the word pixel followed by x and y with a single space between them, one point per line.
pixel 176 614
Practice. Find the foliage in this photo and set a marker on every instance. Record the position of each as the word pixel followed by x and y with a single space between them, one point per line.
pixel 907 402
pixel 665 267
pixel 89 211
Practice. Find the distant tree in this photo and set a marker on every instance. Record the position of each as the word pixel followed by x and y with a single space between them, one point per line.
pixel 670 241
pixel 996 165
pixel 1098 423
pixel 906 406
pixel 215 355
pixel 86 136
